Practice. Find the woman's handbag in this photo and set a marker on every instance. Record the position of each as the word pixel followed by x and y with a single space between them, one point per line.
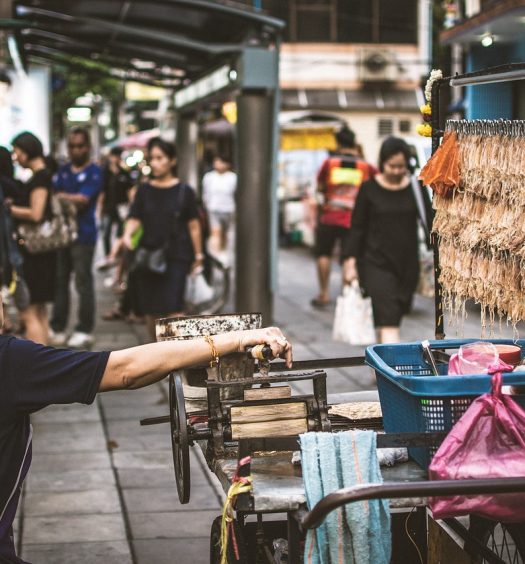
pixel 197 291
pixel 353 322
pixel 58 231
pixel 151 260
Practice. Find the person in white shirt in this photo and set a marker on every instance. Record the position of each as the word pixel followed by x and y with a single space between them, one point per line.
pixel 218 193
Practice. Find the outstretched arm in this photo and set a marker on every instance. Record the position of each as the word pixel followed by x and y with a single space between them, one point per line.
pixel 146 364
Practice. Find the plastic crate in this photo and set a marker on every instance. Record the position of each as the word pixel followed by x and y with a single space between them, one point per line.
pixel 413 400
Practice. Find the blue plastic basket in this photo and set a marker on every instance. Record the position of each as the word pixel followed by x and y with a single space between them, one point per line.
pixel 413 400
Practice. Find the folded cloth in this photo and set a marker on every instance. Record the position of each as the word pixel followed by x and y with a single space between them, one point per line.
pixel 358 533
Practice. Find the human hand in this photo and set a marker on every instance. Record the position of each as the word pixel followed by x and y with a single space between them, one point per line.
pixel 127 242
pixel 271 336
pixel 349 271
pixel 197 263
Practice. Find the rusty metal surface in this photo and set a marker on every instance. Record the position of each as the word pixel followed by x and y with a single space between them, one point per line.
pixel 278 484
pixel 196 326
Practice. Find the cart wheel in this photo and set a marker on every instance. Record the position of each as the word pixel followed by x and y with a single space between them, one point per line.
pixel 179 437
pixel 215 544
pixel 505 540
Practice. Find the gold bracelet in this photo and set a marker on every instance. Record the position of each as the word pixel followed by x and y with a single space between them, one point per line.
pixel 214 352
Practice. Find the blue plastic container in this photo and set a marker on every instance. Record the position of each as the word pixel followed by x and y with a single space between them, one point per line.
pixel 413 400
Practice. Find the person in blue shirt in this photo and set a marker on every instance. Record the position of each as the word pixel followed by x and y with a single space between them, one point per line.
pixel 33 376
pixel 80 182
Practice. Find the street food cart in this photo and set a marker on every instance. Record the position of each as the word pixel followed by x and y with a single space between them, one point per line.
pixel 251 411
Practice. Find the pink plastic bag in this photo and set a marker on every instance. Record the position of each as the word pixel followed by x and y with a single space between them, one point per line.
pixel 487 442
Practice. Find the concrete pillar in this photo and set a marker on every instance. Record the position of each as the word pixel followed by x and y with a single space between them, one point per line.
pixel 186 141
pixel 254 201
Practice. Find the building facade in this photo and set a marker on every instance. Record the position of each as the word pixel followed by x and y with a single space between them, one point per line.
pixel 360 60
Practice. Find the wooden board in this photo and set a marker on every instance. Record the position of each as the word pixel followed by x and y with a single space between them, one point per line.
pixel 268 393
pixel 261 413
pixel 442 547
pixel 267 429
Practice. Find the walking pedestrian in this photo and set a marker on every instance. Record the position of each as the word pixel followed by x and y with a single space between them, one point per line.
pixel 33 376
pixel 33 205
pixel 338 183
pixel 218 194
pixel 383 248
pixel 114 199
pixel 166 210
pixel 79 181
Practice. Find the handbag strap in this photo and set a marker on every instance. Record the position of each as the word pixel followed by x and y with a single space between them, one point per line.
pixel 420 204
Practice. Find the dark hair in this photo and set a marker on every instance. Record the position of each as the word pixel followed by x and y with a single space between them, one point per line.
pixel 165 146
pixel 6 163
pixel 30 144
pixel 223 158
pixel 77 130
pixel 345 137
pixel 116 151
pixel 393 146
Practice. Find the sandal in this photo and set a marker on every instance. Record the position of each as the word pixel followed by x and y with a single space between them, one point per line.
pixel 320 304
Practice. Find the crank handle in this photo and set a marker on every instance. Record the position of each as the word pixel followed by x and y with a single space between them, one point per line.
pixel 260 352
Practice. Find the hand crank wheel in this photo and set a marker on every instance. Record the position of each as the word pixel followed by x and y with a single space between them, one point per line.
pixel 179 438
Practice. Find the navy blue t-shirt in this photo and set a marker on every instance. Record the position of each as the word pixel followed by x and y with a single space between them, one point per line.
pixel 87 182
pixel 32 377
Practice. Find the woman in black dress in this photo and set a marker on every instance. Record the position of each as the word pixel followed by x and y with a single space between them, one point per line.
pixel 382 250
pixel 32 205
pixel 166 210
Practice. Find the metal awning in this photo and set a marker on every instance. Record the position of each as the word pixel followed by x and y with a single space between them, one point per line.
pixel 503 19
pixel 163 42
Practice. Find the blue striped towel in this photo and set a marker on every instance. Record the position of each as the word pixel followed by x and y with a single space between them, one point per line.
pixel 358 533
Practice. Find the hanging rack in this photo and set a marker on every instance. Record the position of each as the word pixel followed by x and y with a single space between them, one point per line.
pixel 502 73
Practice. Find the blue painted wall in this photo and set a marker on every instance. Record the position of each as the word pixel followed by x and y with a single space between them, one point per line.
pixel 492 101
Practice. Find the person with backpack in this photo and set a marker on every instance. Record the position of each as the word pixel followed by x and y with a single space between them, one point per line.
pixel 171 243
pixel 33 206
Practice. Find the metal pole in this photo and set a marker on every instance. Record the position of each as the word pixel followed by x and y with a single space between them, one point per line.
pixel 253 223
pixel 186 141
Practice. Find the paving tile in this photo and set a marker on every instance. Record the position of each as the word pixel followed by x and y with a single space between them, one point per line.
pixel 160 477
pixel 114 552
pixel 80 502
pixel 70 481
pixel 179 524
pixel 130 436
pixel 58 462
pixel 172 551
pixel 151 500
pixel 71 437
pixel 75 413
pixel 73 528
pixel 134 413
pixel 144 460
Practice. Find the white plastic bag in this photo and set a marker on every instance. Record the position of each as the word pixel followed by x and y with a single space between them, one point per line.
pixel 353 322
pixel 198 290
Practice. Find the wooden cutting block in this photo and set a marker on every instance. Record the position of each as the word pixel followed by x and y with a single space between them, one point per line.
pixel 275 392
pixel 261 413
pixel 286 428
pixel 257 421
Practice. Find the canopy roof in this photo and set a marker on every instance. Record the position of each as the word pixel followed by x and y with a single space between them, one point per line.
pixel 162 42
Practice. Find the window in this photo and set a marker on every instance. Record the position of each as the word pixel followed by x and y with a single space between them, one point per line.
pixel 404 126
pixel 385 127
pixel 347 21
pixel 397 21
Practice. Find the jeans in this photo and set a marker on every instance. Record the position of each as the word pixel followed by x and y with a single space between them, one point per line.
pixel 77 259
pixel 108 220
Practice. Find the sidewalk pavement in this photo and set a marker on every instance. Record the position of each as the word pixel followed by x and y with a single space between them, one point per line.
pixel 102 488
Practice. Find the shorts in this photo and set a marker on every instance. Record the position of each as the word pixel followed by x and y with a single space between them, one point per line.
pixel 221 220
pixel 326 236
pixel 391 295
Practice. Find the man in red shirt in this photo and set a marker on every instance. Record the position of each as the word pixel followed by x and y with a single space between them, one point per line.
pixel 338 183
